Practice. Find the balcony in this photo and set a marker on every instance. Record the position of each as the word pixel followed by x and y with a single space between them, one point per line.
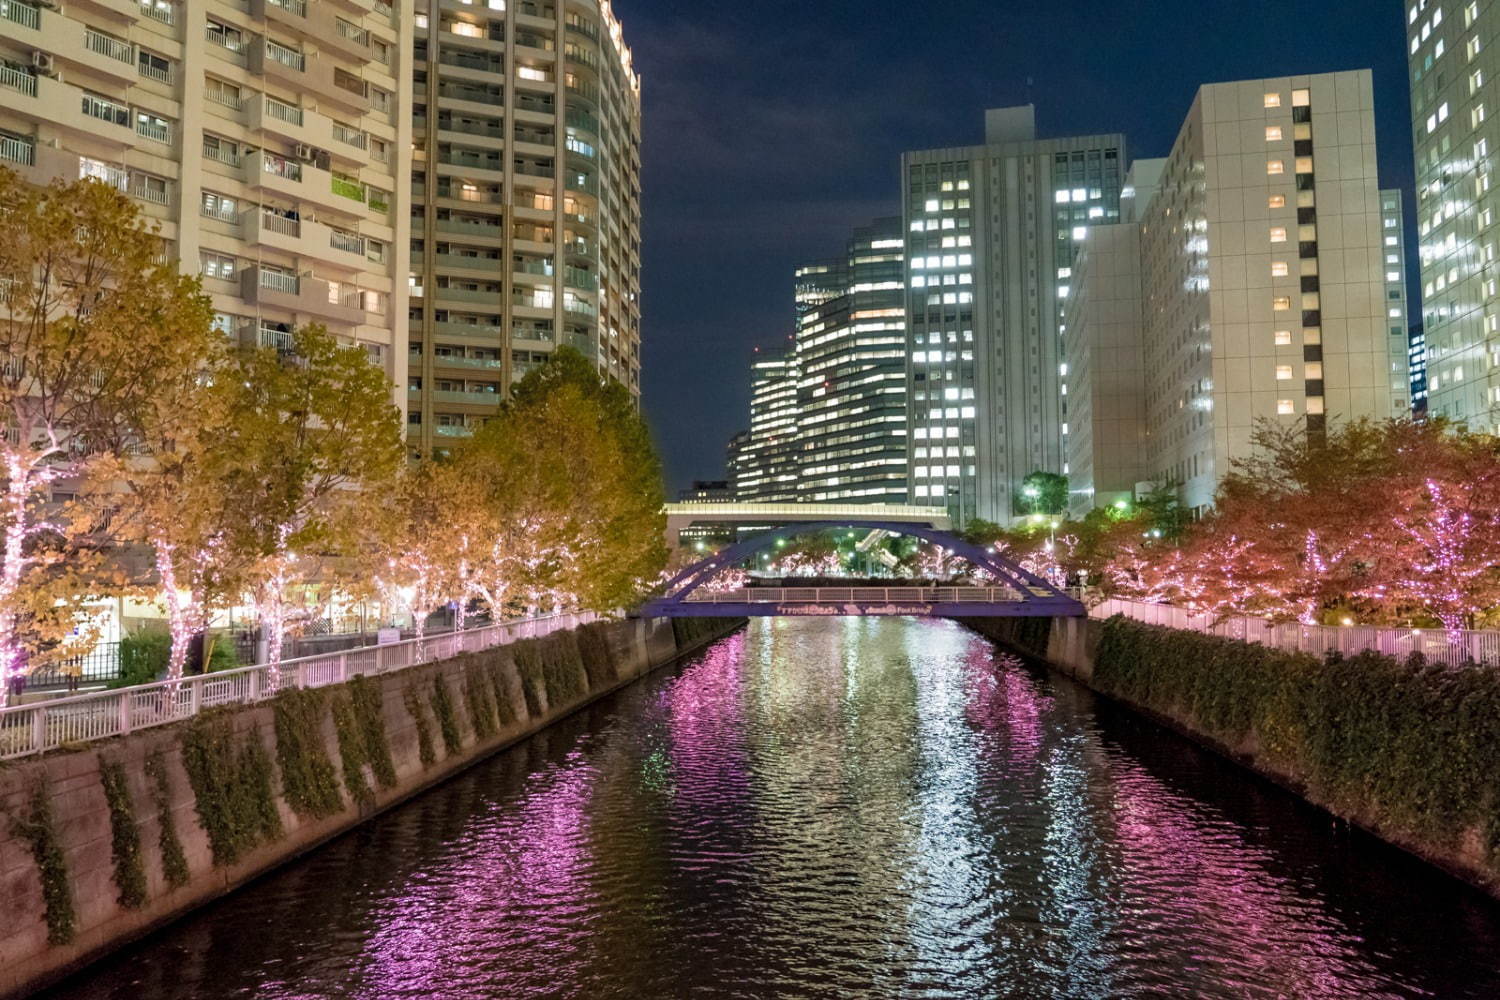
pixel 304 238
pixel 471 228
pixel 481 331
pixel 304 296
pixel 302 182
pixel 464 262
pixel 67 107
pixel 299 126
pixel 466 364
pixel 488 298
pixel 18 80
pixel 23 14
pixel 489 399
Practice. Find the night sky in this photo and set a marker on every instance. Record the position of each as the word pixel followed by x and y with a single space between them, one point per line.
pixel 772 128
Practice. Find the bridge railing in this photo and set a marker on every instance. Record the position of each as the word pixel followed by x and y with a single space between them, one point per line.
pixel 1452 647
pixel 46 725
pixel 857 595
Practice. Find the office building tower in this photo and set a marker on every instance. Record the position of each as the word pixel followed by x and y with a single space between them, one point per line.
pixel 1105 347
pixel 991 236
pixel 265 138
pixel 1417 360
pixel 1454 63
pixel 766 463
pixel 1263 286
pixel 526 203
pixel 1397 316
pixel 851 369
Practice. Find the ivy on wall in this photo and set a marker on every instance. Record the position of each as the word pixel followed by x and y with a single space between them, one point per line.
pixel 369 715
pixel 598 659
pixel 1410 745
pixel 231 781
pixel 495 669
pixel 37 829
pixel 351 751
pixel 174 867
pixel 307 779
pixel 442 710
pixel 480 699
pixel 125 836
pixel 425 751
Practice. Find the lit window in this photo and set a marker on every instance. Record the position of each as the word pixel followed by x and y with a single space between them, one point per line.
pixel 1276 201
pixel 1312 370
pixel 1274 167
pixel 1304 165
pixel 1273 100
pixel 1283 373
pixel 1283 338
pixel 1279 269
pixel 1281 303
pixel 1314 404
pixel 1301 98
pixel 1278 234
pixel 932 205
pixel 1273 133
pixel 1285 407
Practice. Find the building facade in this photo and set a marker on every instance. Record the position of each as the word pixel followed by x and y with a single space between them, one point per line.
pixel 1105 346
pixel 1397 315
pixel 991 236
pixel 1263 282
pixel 1454 64
pixel 851 371
pixel 267 139
pixel 525 210
pixel 766 461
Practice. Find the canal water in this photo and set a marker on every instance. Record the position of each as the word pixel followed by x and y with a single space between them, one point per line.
pixel 845 809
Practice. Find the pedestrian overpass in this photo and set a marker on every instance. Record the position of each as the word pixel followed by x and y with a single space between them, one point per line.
pixel 1010 591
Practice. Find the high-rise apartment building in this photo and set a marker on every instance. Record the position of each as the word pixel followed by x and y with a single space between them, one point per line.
pixel 1454 62
pixel 851 371
pixel 1105 346
pixel 1263 283
pixel 525 229
pixel 1393 267
pixel 991 236
pixel 766 463
pixel 267 138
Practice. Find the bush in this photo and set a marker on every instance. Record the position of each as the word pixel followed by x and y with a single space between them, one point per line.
pixel 143 657
pixel 1403 743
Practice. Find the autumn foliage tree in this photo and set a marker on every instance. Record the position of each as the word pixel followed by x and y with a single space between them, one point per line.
pixel 91 323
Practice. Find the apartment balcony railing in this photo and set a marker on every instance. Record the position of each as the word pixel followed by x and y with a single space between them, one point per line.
pixel 579 307
pixel 287 57
pixel 109 47
pixel 153 130
pixel 457 159
pixel 224 98
pixel 280 224
pixel 488 297
pixel 587 91
pixel 280 166
pixel 221 153
pixel 349 136
pixel 468 128
pixel 453 329
pixel 283 112
pixel 528 102
pixel 158 73
pixel 159 10
pixel 18 80
pixel 279 339
pixel 476 95
pixel 297 7
pixel 542 267
pixel 457 361
pixel 349 242
pixel 534 170
pixel 467 226
pixel 534 41
pixel 385 9
pixel 451 430
pixel 17 151
pixel 278 282
pixel 348 189
pixel 22 13
pixel 154 195
pixel 230 43
pixel 106 111
pixel 220 212
pixel 577 277
pixel 467 194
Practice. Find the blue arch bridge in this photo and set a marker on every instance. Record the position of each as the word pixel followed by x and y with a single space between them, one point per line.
pixel 1012 592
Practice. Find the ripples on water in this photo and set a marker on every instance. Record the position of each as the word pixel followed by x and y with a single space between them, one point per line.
pixel 843 809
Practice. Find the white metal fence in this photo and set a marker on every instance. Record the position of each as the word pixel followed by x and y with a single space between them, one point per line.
pixel 1455 647
pixel 31 729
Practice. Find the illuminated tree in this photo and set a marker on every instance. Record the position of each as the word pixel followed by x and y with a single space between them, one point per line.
pixel 91 323
pixel 303 431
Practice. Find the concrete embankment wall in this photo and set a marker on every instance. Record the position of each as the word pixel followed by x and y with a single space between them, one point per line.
pixel 101 845
pixel 1405 750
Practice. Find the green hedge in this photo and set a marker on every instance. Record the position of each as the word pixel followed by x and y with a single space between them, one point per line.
pixel 1407 744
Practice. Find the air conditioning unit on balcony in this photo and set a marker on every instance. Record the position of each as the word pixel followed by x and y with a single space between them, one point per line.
pixel 304 153
pixel 42 62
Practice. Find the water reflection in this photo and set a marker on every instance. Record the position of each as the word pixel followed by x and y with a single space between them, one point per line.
pixel 845 808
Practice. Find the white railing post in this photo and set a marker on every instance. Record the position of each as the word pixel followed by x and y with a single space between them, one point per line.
pixel 39 728
pixel 124 712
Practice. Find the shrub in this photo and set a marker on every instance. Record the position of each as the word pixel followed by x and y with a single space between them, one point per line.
pixel 143 657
